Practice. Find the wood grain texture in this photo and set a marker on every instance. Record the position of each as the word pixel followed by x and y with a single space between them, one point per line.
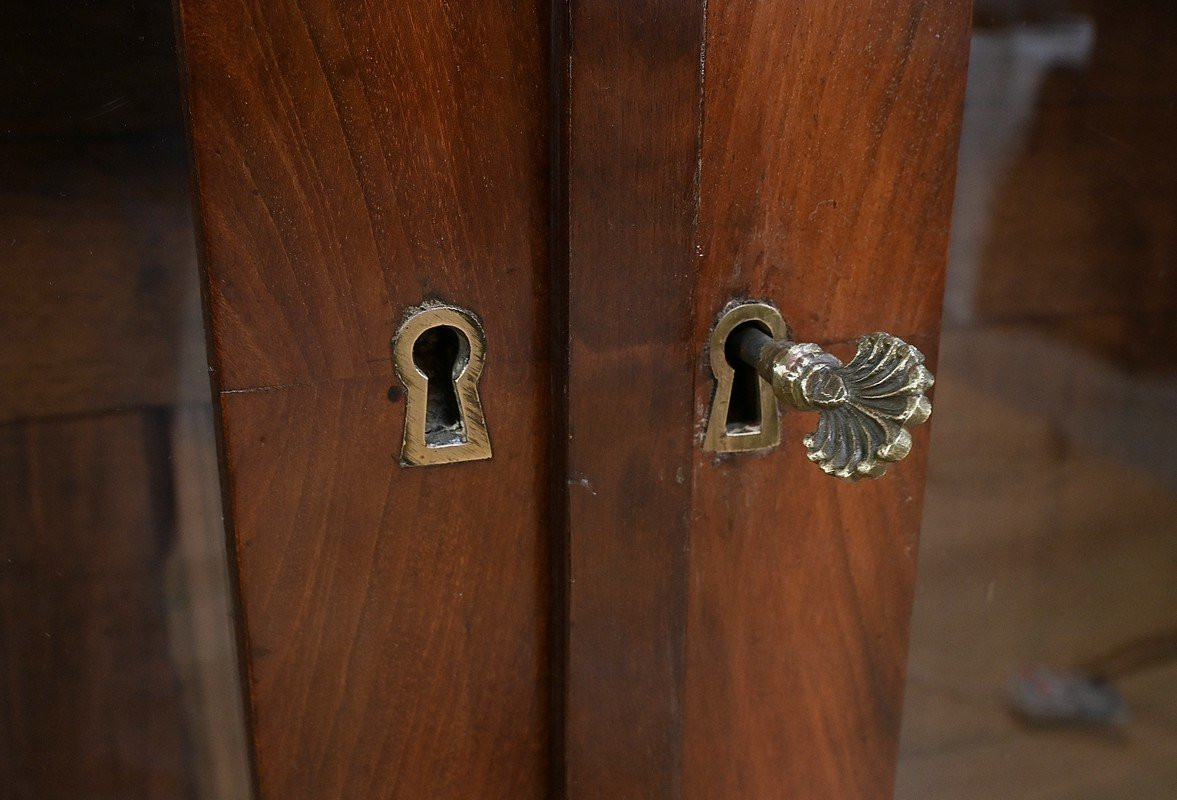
pixel 353 160
pixel 91 704
pixel 827 167
pixel 633 114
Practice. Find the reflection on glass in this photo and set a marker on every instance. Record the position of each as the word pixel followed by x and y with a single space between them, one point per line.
pixel 118 675
pixel 1044 642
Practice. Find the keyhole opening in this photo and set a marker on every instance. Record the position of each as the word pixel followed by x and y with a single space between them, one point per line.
pixel 744 414
pixel 441 353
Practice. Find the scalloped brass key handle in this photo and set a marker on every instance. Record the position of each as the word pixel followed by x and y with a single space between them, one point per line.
pixel 865 407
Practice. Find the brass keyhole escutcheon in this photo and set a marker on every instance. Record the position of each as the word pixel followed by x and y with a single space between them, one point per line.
pixel 744 414
pixel 438 355
pixel 866 407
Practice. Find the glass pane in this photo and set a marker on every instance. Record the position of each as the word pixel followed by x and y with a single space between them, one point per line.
pixel 1044 643
pixel 118 676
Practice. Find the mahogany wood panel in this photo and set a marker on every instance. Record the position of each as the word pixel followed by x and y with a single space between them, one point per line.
pixel 351 161
pixel 632 115
pixel 827 170
pixel 91 700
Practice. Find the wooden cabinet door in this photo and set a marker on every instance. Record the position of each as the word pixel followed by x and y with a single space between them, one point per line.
pixel 602 609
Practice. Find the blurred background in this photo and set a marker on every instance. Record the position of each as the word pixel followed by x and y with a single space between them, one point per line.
pixel 118 674
pixel 1048 555
pixel 1044 645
